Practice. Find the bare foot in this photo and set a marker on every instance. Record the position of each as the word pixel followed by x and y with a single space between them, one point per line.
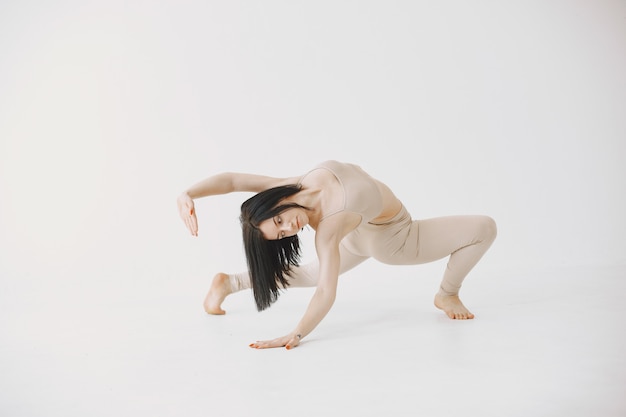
pixel 452 306
pixel 220 288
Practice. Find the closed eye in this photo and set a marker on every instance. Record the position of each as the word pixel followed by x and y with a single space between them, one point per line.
pixel 277 221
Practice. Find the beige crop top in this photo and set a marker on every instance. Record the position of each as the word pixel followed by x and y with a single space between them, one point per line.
pixel 360 193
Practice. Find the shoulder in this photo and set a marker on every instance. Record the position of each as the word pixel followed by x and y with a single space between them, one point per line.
pixel 343 169
pixel 334 164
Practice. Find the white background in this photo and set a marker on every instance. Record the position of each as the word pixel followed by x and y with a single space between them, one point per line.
pixel 108 110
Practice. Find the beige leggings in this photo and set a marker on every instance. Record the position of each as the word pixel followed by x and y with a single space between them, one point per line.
pixel 402 241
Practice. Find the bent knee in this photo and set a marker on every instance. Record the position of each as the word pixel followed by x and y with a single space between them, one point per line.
pixel 488 228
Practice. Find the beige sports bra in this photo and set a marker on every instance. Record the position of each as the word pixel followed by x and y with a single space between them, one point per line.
pixel 360 193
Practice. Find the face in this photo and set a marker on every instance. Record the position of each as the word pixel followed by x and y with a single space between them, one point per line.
pixel 286 224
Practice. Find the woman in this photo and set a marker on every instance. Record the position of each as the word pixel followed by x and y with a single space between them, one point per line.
pixel 355 217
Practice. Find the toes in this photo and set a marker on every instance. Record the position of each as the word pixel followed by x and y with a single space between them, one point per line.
pixel 461 316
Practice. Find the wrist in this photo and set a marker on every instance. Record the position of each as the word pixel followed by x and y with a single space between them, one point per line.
pixel 185 195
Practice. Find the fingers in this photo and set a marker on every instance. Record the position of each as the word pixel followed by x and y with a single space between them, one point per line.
pixel 267 344
pixel 289 342
pixel 192 224
pixel 188 215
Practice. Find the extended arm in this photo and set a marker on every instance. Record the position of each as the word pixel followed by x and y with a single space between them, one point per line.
pixel 325 293
pixel 228 182
pixel 224 183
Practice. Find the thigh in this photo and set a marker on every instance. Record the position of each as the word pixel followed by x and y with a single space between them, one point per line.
pixel 307 275
pixel 441 236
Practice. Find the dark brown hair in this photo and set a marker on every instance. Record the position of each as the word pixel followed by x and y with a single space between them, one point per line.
pixel 269 261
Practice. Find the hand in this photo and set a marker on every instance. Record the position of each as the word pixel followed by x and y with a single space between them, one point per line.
pixel 289 342
pixel 187 212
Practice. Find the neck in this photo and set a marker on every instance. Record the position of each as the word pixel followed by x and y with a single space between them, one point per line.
pixel 311 199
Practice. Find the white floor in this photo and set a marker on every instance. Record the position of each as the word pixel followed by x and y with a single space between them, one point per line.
pixel 544 343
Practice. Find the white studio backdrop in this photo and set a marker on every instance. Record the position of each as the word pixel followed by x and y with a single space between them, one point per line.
pixel 108 110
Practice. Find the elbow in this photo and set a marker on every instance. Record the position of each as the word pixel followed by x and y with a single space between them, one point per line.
pixel 327 295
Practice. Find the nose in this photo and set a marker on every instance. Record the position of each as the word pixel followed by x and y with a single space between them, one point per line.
pixel 288 226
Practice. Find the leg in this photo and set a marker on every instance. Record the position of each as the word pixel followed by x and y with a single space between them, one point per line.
pixel 403 241
pixel 465 239
pixel 302 276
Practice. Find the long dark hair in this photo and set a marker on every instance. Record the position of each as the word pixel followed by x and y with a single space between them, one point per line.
pixel 269 261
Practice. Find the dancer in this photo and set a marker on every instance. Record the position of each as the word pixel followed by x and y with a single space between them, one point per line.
pixel 355 217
